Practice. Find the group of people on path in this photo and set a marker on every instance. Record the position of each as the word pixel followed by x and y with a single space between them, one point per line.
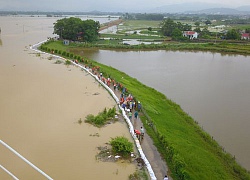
pixel 126 101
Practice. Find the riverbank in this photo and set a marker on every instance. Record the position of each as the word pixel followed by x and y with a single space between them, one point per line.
pixel 180 140
pixel 223 48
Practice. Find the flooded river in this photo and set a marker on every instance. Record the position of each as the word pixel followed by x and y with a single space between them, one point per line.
pixel 40 104
pixel 213 88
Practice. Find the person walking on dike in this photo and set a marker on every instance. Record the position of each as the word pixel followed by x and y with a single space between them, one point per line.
pixel 139 106
pixel 137 134
pixel 165 178
pixel 130 115
pixel 136 114
pixel 142 132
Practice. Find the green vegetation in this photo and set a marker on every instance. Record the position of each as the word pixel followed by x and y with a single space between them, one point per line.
pixel 122 146
pixel 214 46
pixel 138 175
pixel 138 24
pixel 101 118
pixel 67 62
pixel 130 36
pixel 168 26
pixel 75 29
pixel 233 34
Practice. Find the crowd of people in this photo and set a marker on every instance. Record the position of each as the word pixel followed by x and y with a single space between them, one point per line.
pixel 126 100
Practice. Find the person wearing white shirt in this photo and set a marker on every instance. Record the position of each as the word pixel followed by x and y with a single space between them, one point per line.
pixel 165 178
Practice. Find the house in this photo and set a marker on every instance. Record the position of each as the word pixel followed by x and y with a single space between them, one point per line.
pixel 66 42
pixel 190 34
pixel 245 36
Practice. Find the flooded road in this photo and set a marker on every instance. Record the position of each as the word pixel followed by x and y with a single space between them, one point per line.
pixel 40 104
pixel 212 88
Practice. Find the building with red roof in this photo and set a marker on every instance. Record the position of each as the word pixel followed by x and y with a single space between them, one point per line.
pixel 245 36
pixel 190 34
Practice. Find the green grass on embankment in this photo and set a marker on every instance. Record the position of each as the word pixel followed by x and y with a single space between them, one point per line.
pixel 223 48
pixel 189 151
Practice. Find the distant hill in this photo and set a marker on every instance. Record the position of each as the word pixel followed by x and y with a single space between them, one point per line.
pixel 217 11
pixel 184 7
pixel 198 8
pixel 243 8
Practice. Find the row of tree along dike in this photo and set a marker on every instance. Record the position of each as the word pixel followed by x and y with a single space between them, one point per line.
pixel 189 152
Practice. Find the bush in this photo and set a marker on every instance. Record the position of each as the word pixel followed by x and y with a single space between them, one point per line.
pixel 64 53
pixel 121 146
pixel 101 118
pixel 67 62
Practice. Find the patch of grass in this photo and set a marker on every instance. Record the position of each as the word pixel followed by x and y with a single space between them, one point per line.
pixel 122 146
pixel 58 62
pixel 130 36
pixel 67 62
pixel 102 118
pixel 139 175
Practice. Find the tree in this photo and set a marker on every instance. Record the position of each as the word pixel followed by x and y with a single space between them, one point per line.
pixel 90 30
pixel 75 29
pixel 177 34
pixel 67 28
pixel 207 22
pixel 233 34
pixel 168 26
pixel 197 23
pixel 205 33
pixel 198 30
pixel 186 27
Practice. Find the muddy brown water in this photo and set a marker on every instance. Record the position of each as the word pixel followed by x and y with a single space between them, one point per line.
pixel 40 104
pixel 213 88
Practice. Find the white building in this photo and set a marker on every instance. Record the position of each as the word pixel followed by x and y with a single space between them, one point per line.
pixel 190 34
